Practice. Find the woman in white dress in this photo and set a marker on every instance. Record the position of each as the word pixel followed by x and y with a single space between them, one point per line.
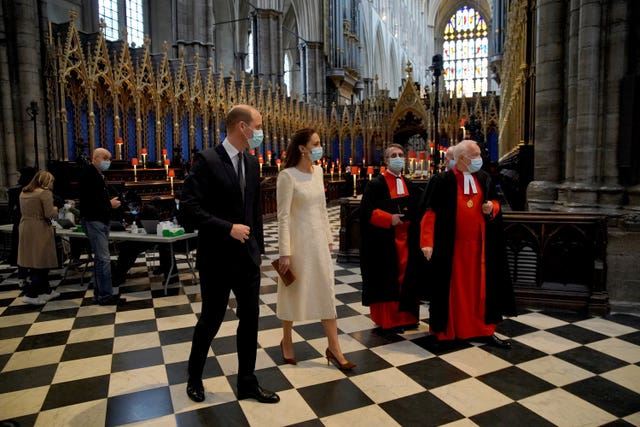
pixel 305 245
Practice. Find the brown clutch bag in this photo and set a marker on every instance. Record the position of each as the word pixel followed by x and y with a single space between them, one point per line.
pixel 287 277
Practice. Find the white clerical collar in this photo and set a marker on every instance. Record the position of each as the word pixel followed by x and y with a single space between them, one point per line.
pixel 469 181
pixel 399 185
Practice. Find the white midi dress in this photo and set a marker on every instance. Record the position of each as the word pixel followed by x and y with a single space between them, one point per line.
pixel 304 235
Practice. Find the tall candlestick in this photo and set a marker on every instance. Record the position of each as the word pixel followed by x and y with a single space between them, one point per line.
pixel 172 174
pixel 164 155
pixel 134 163
pixel 144 158
pixel 166 167
pixel 354 173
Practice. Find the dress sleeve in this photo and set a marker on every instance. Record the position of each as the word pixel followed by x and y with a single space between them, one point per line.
pixel 380 218
pixel 284 195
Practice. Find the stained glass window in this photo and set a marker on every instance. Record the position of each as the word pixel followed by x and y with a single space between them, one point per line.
pixel 109 12
pixel 464 53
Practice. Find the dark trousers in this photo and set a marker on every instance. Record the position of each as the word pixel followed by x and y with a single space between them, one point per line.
pixel 127 254
pixel 39 283
pixel 215 287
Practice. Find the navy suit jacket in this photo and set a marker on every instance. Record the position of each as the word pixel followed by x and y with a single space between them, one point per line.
pixel 212 202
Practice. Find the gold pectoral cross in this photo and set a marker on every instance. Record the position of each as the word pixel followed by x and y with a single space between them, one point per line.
pixel 469 203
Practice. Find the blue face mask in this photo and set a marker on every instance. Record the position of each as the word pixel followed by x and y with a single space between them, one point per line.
pixel 397 164
pixel 104 165
pixel 134 212
pixel 452 163
pixel 257 138
pixel 316 154
pixel 475 165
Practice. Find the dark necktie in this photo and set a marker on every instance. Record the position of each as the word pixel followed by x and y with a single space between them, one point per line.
pixel 241 180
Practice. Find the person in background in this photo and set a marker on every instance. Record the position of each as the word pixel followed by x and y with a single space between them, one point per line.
pixel 461 234
pixel 37 246
pixel 95 209
pixel 26 175
pixel 387 212
pixel 305 242
pixel 449 161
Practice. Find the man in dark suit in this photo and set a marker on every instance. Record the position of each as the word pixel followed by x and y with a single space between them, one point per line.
pixel 221 198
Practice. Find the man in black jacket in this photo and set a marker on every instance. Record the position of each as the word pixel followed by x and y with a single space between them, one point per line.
pixel 95 211
pixel 221 198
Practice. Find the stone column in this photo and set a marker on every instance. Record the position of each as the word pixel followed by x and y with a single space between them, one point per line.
pixel 550 16
pixel 584 193
pixel 610 192
pixel 315 72
pixel 267 46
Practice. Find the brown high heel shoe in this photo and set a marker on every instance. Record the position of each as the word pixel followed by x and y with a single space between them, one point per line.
pixel 292 361
pixel 346 366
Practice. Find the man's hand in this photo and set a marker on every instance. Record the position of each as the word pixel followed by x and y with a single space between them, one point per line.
pixel 428 251
pixel 487 208
pixel 396 219
pixel 115 203
pixel 240 232
pixel 283 264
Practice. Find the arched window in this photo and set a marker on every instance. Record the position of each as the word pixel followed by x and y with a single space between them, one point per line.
pixel 120 14
pixel 287 74
pixel 465 53
pixel 248 67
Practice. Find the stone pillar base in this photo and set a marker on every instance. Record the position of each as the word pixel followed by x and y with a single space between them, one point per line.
pixel 542 195
pixel 634 198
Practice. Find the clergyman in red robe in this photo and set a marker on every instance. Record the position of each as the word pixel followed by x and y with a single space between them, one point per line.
pixel 461 236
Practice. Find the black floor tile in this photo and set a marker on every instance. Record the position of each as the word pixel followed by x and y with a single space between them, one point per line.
pixel 173 310
pixel 143 405
pixel 333 397
pixel 633 338
pixel 345 311
pixel 310 423
pixel 349 297
pixel 224 345
pixel 515 383
pixel 302 349
pixel 625 319
pixel 92 321
pixel 591 360
pixel 577 334
pixel 606 395
pixel 87 349
pixel 78 391
pixel 373 338
pixel 565 315
pixel 50 339
pixel 366 361
pixel 176 336
pixel 227 414
pixel 27 378
pixel 431 344
pixel 269 378
pixel 138 327
pixel 136 359
pixel 67 313
pixel 518 353
pixel 432 373
pixel 135 305
pixel 513 328
pixel 421 410
pixel 310 331
pixel 269 322
pixel 13 331
pixel 510 415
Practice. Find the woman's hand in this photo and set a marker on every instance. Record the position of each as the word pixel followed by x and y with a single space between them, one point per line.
pixel 284 263
pixel 330 248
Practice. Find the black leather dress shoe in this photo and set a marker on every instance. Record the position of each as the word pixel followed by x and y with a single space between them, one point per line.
pixel 195 392
pixel 494 341
pixel 258 393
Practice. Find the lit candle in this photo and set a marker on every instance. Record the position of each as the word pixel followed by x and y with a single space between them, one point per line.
pixel 370 171
pixel 144 157
pixel 382 170
pixel 119 144
pixel 364 162
pixel 261 162
pixel 354 173
pixel 268 157
pixel 134 163
pixel 350 161
pixel 252 152
pixel 331 173
pixel 164 155
pixel 412 159
pixel 278 162
pixel 166 167
pixel 172 174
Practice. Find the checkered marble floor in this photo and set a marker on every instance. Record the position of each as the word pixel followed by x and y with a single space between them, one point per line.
pixel 71 362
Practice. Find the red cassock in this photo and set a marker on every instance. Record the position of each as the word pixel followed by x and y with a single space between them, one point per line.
pixel 386 314
pixel 467 295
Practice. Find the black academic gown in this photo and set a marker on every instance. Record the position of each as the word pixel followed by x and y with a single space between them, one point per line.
pixel 378 254
pixel 441 197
